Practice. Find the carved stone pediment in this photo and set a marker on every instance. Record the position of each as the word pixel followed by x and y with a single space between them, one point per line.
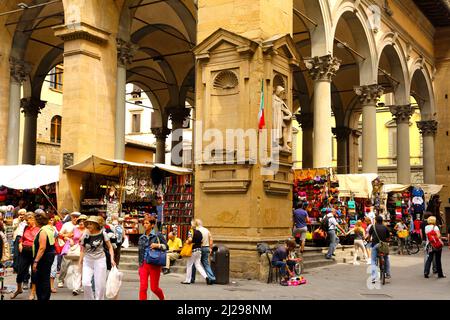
pixel 284 46
pixel 223 41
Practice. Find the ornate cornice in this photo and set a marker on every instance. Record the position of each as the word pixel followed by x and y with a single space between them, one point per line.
pixel 342 133
pixel 19 69
pixel 427 127
pixel 125 51
pixel 305 120
pixel 402 113
pixel 161 133
pixel 81 31
pixel 369 94
pixel 31 107
pixel 322 68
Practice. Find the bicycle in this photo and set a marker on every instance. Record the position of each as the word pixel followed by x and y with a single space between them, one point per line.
pixel 382 265
pixel 411 246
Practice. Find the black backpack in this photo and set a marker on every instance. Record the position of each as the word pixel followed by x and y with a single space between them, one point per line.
pixel 262 248
pixel 324 224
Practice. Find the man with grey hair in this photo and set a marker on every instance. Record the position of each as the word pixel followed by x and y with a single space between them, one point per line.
pixel 207 244
pixel 65 234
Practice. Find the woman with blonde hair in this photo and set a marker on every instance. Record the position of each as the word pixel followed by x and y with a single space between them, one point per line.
pixel 360 235
pixel 433 230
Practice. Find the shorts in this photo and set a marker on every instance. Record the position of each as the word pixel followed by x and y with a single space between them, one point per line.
pixel 300 233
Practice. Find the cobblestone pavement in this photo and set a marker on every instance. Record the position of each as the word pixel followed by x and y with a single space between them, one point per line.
pixel 340 281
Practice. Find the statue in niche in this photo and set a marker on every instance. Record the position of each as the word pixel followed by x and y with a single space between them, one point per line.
pixel 282 120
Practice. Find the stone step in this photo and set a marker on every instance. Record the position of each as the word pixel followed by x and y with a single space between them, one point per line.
pixel 318 263
pixel 133 266
pixel 128 258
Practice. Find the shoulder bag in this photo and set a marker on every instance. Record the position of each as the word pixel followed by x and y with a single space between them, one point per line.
pixel 384 246
pixel 155 257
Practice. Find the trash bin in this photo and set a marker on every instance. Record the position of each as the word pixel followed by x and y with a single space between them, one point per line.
pixel 220 264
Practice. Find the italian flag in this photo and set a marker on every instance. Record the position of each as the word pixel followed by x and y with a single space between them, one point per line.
pixel 261 120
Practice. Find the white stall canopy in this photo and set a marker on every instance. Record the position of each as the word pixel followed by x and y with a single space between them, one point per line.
pixel 23 177
pixel 358 184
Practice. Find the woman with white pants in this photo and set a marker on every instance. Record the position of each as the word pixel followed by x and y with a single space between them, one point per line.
pixel 93 258
pixel 195 237
pixel 358 243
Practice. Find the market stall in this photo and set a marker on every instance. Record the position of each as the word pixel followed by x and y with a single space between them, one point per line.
pixel 132 190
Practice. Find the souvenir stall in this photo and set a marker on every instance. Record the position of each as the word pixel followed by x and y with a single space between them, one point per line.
pixel 130 190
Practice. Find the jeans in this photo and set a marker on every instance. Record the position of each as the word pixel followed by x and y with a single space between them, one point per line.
pixel 205 264
pixel 387 263
pixel 154 272
pixel 334 240
pixel 282 266
pixel 94 268
pixel 425 258
pixel 42 276
pixel 434 256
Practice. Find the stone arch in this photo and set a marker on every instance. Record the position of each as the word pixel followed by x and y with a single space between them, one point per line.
pixel 157 115
pixel 188 80
pixel 50 60
pixel 364 40
pixel 399 70
pixel 421 88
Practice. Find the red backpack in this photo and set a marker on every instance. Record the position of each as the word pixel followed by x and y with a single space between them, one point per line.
pixel 434 240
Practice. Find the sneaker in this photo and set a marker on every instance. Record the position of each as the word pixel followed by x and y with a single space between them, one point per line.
pixel 60 284
pixel 25 286
pixel 368 262
pixel 75 292
pixel 388 276
pixel 374 281
pixel 356 263
pixel 327 257
pixel 166 271
pixel 185 282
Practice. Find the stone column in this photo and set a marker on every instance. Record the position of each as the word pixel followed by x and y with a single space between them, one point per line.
pixel 31 108
pixel 306 122
pixel 368 97
pixel 322 69
pixel 19 73
pixel 161 135
pixel 125 52
pixel 342 136
pixel 428 130
pixel 354 152
pixel 178 116
pixel 401 115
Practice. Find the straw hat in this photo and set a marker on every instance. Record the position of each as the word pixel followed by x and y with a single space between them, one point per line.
pixel 96 219
pixel 82 217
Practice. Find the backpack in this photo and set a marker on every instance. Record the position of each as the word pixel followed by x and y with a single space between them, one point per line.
pixel 434 240
pixel 262 247
pixel 324 224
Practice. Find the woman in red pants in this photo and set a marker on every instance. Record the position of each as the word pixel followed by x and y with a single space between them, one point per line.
pixel 154 240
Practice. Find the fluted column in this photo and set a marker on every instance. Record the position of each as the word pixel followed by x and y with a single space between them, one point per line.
pixel 402 114
pixel 178 116
pixel 161 135
pixel 19 73
pixel 322 69
pixel 428 130
pixel 125 52
pixel 368 97
pixel 342 136
pixel 306 122
pixel 31 108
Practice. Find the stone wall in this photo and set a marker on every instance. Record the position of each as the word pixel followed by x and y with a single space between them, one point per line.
pixel 50 153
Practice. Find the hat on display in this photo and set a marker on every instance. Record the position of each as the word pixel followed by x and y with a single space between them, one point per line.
pixel 82 217
pixel 64 211
pixel 96 219
pixel 75 214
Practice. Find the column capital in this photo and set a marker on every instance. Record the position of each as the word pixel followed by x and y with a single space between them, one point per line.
pixel 178 114
pixel 369 94
pixel 305 120
pixel 427 127
pixel 31 107
pixel 402 113
pixel 322 68
pixel 19 69
pixel 342 133
pixel 125 51
pixel 356 134
pixel 161 133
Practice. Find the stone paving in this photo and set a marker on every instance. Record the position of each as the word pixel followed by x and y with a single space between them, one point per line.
pixel 339 281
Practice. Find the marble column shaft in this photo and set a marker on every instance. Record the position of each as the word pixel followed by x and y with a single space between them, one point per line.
pixel 342 136
pixel 31 108
pixel 321 70
pixel 161 136
pixel 428 130
pixel 178 115
pixel 306 121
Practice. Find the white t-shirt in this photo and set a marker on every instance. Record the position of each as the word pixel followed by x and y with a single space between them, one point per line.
pixel 400 226
pixel 67 227
pixel 428 229
pixel 205 234
pixel 19 228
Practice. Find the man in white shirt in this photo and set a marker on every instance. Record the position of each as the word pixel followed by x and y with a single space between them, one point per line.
pixel 332 225
pixel 66 233
pixel 207 244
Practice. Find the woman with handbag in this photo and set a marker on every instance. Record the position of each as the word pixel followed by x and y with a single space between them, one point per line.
pixel 92 262
pixel 44 255
pixel 150 243
pixel 431 251
pixel 358 243
pixel 74 253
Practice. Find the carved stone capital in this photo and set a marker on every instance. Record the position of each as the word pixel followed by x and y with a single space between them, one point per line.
pixel 19 69
pixel 305 120
pixel 161 133
pixel 178 115
pixel 402 113
pixel 427 127
pixel 125 51
pixel 342 133
pixel 368 95
pixel 322 68
pixel 31 107
pixel 356 134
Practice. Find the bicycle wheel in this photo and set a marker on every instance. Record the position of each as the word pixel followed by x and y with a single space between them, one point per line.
pixel 382 273
pixel 413 247
pixel 298 268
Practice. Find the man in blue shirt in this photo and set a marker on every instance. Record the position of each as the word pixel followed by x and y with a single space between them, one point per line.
pixel 301 220
pixel 159 212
